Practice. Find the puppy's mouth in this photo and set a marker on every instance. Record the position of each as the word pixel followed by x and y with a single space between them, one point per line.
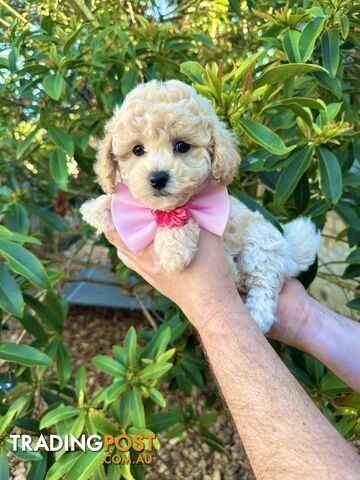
pixel 161 193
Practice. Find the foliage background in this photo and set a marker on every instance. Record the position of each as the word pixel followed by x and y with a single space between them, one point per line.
pixel 285 79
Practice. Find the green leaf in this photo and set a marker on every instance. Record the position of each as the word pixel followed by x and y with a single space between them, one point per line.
pixel 301 193
pixel 6 234
pixel 212 440
pixel 158 397
pixel 314 368
pixel 164 420
pixel 162 342
pixel 47 315
pixel 114 391
pixel 349 214
pixel 164 357
pixel 283 72
pixel 153 371
pixel 31 324
pixel 57 415
pixel 354 304
pixel 61 139
pixel 316 208
pixel 19 222
pixel 11 298
pixel 351 272
pixel 330 83
pixel 20 454
pixel 331 385
pixel 265 137
pixel 24 354
pixel 332 109
pixel 109 365
pixel 54 85
pixel 202 39
pixel 291 46
pixel 330 43
pixel 313 103
pixel 103 424
pixel 136 406
pixel 344 26
pixel 24 263
pixel 254 206
pixel 23 146
pixel 4 465
pixel 85 465
pixel 193 70
pixel 56 304
pixel 346 426
pixel 63 365
pixel 330 176
pixel 129 80
pixel 291 175
pixel 80 380
pixel 12 59
pixel 235 5
pixel 49 219
pixel 308 37
pixel 38 469
pixel 354 256
pixel 58 168
pixel 62 466
pixel 130 347
pixel 6 420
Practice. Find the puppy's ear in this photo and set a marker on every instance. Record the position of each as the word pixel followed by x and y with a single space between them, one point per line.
pixel 105 166
pixel 225 157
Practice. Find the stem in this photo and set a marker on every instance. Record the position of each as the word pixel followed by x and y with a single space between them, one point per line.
pixel 146 312
pixel 336 281
pixel 335 262
pixel 4 22
pixel 14 12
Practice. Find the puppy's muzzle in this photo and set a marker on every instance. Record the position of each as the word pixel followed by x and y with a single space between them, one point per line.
pixel 159 180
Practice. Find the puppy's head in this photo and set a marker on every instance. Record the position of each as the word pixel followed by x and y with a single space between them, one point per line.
pixel 163 143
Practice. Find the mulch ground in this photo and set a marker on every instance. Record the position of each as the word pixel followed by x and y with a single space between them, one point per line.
pixel 93 332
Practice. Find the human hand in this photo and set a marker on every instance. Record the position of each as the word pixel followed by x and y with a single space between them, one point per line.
pixel 295 323
pixel 202 290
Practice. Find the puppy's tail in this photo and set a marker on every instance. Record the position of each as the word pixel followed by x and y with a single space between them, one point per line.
pixel 303 241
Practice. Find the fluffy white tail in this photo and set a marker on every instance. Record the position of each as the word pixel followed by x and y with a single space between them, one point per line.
pixel 304 241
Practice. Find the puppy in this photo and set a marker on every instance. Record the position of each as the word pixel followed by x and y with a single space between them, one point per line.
pixel 164 143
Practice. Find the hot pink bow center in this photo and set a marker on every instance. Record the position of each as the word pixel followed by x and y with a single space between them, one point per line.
pixel 172 218
pixel 137 224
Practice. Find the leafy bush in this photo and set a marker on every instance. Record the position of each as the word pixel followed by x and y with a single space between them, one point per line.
pixel 284 79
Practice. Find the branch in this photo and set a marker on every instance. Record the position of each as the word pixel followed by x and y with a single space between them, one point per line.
pixel 337 281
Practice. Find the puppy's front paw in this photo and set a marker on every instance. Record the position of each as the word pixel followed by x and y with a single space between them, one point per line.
pixel 173 261
pixel 97 213
pixel 175 247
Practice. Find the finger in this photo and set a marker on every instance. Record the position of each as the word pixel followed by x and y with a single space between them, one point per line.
pixel 114 238
pixel 127 261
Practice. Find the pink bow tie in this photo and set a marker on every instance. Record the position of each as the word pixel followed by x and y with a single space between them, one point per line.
pixel 137 225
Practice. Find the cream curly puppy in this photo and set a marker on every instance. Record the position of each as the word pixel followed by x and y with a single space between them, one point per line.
pixel 164 143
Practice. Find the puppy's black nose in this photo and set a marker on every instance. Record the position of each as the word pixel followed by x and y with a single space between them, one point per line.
pixel 159 180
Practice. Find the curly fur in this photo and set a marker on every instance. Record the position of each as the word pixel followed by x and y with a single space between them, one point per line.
pixel 157 115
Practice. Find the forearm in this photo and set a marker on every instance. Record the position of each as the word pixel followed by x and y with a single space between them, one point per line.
pixel 284 434
pixel 335 341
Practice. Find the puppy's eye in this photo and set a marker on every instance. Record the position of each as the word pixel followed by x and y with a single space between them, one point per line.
pixel 139 150
pixel 181 146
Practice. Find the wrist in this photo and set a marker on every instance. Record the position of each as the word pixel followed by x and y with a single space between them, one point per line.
pixel 208 311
